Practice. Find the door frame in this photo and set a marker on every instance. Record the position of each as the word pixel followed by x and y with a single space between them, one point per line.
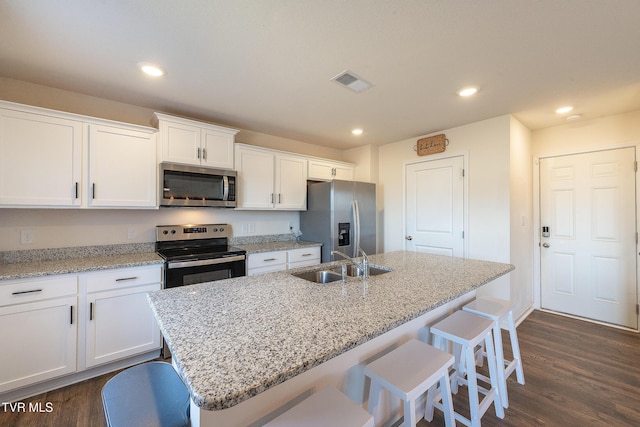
pixel 537 288
pixel 465 193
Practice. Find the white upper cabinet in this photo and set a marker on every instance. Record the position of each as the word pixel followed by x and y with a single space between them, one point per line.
pixel 122 167
pixel 195 143
pixel 55 159
pixel 269 179
pixel 326 170
pixel 40 159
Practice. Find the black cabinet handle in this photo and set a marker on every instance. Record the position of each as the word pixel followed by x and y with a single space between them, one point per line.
pixel 71 310
pixel 90 311
pixel 33 291
pixel 76 190
pixel 93 190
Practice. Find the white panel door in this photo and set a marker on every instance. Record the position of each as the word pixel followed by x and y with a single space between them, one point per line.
pixel 290 182
pixel 40 160
pixel 588 261
pixel 122 167
pixel 121 324
pixel 434 210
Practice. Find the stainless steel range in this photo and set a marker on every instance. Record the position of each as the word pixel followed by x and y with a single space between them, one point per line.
pixel 198 253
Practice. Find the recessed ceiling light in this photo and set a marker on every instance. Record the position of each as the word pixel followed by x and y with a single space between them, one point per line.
pixel 574 117
pixel 468 91
pixel 563 110
pixel 152 70
pixel 357 131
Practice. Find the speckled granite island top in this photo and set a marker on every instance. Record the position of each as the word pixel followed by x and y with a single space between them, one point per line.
pixel 235 338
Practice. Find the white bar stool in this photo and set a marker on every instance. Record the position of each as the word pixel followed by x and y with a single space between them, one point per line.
pixel 500 311
pixel 466 331
pixel 408 372
pixel 327 407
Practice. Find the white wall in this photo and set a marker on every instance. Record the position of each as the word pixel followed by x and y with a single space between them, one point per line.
pixel 59 228
pixel 486 145
pixel 522 245
pixel 610 131
pixel 366 160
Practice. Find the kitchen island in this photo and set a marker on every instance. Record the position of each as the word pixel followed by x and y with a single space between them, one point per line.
pixel 249 348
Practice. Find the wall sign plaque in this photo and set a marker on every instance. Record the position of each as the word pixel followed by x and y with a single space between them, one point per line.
pixel 431 145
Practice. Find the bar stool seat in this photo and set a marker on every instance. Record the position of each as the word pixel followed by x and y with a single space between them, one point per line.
pixel 151 394
pixel 327 407
pixel 500 311
pixel 408 372
pixel 466 331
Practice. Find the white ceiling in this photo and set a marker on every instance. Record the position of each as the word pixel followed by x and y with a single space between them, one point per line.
pixel 266 65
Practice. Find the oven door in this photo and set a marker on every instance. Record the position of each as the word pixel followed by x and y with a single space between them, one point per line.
pixel 181 273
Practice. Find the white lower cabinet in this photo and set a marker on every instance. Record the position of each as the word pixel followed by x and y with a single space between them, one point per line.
pixel 38 330
pixel 303 257
pixel 120 322
pixel 48 333
pixel 266 262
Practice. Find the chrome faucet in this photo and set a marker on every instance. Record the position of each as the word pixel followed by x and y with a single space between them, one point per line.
pixel 364 265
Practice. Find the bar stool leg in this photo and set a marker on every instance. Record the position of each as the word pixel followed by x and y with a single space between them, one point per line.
pixel 516 348
pixel 472 384
pixel 374 396
pixel 491 357
pixel 409 412
pixel 502 380
pixel 447 403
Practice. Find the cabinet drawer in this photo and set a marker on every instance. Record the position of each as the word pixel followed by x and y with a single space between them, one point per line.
pixel 266 259
pixel 304 254
pixel 31 290
pixel 123 278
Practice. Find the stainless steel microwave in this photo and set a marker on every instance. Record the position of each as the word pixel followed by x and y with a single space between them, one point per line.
pixel 194 186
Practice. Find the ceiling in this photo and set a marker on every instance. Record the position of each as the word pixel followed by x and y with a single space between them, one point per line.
pixel 266 65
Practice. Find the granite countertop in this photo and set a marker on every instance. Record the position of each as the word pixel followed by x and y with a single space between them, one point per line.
pixel 47 262
pixel 253 248
pixel 232 339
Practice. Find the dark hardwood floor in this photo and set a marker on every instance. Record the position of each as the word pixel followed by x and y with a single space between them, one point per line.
pixel 577 374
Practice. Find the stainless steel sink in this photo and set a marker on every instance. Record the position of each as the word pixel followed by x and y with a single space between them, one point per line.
pixel 354 271
pixel 335 274
pixel 322 276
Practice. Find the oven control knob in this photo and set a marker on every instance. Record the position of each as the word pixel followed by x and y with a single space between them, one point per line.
pixel 165 232
pixel 173 231
pixel 215 230
pixel 222 229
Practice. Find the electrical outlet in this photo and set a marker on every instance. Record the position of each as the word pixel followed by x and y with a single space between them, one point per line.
pixel 252 228
pixel 27 237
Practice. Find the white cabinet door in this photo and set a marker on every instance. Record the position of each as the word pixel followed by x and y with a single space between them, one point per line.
pixel 255 179
pixel 217 149
pixel 38 340
pixel 195 143
pixel 323 170
pixel 303 257
pixel 122 167
pixel 290 182
pixel 343 172
pixel 40 160
pixel 266 262
pixel 180 142
pixel 120 324
pixel 320 170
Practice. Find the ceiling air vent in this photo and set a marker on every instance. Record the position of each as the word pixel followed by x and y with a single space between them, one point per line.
pixel 351 81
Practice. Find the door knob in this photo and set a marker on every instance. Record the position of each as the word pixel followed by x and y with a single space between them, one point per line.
pixel 545 245
pixel 409 237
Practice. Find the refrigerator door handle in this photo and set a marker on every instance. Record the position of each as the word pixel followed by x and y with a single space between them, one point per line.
pixel 356 226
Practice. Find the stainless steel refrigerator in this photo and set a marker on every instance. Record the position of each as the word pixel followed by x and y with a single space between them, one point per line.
pixel 342 216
